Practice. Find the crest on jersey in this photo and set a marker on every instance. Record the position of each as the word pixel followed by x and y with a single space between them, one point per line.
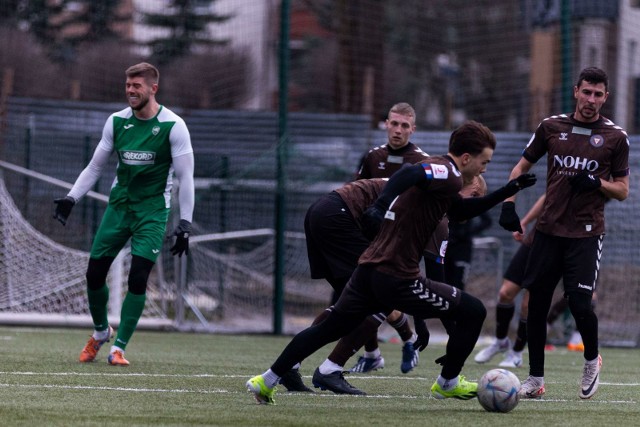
pixel 596 141
pixel 155 130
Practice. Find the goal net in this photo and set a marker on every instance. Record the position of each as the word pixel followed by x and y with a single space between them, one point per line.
pixel 43 282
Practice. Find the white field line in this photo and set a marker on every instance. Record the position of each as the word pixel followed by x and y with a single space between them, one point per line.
pixel 235 390
pixel 245 376
pixel 288 395
pixel 136 390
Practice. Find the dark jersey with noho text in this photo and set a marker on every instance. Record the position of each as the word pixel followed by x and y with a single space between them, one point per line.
pixel 600 148
pixel 411 220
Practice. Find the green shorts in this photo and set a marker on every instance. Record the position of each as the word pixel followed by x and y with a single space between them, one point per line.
pixel 146 230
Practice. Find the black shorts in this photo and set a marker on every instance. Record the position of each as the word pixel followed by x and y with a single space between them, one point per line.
pixel 517 265
pixel 574 260
pixel 370 291
pixel 334 240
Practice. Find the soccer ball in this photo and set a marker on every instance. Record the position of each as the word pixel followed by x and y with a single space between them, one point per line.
pixel 498 390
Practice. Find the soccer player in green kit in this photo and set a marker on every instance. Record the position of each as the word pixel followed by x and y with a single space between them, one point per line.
pixel 152 143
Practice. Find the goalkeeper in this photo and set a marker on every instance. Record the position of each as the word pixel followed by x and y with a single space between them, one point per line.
pixel 151 143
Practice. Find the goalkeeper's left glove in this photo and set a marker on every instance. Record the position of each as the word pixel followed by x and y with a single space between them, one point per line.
pixel 181 232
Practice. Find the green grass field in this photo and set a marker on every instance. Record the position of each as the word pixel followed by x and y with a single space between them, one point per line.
pixel 180 379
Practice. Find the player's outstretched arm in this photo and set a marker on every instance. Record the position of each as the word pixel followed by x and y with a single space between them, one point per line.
pixel 463 209
pixel 86 180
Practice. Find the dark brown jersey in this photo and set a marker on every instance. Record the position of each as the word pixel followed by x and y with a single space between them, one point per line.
pixel 601 148
pixel 359 195
pixel 411 220
pixel 383 161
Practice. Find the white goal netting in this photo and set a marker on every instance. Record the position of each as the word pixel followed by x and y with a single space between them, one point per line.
pixel 42 281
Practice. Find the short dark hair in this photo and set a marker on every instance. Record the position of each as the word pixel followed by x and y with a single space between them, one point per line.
pixel 150 73
pixel 593 75
pixel 471 137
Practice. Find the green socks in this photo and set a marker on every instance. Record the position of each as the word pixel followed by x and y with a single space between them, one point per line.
pixel 132 308
pixel 98 301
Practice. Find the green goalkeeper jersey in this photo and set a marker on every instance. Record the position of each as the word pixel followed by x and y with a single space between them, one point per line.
pixel 144 148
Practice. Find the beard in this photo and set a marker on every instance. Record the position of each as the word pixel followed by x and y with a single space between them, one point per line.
pixel 143 101
pixel 589 112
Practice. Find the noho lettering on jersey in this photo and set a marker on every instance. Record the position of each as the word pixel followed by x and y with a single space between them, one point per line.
pixel 578 163
pixel 138 157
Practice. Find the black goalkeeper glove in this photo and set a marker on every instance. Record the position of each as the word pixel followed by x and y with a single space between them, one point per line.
pixel 509 219
pixel 371 220
pixel 63 209
pixel 523 181
pixel 181 232
pixel 585 182
pixel 423 334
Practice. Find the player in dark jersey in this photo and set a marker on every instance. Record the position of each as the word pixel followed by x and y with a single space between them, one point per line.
pixel 505 309
pixel 382 162
pixel 334 244
pixel 329 374
pixel 388 274
pixel 587 163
